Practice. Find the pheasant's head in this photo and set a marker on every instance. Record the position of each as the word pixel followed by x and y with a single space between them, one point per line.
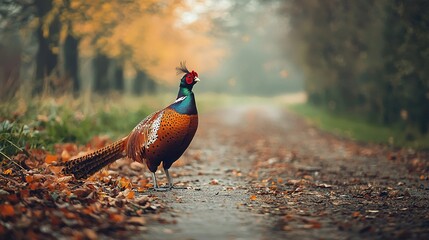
pixel 189 79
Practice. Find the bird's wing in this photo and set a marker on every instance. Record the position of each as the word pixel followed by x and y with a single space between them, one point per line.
pixel 142 135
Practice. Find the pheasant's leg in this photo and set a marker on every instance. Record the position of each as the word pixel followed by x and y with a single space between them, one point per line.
pixel 170 180
pixel 155 184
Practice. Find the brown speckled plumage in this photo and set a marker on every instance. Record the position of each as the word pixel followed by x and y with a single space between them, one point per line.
pixel 174 136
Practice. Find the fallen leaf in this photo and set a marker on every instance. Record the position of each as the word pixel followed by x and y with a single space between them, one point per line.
pixel 50 158
pixel 356 214
pixel 82 192
pixel 64 179
pixel 116 217
pixel 90 234
pixel 29 178
pixel 137 220
pixel 253 197
pixel 34 185
pixel 214 182
pixel 130 195
pixel 65 155
pixel 55 169
pixel 6 210
pixel 124 183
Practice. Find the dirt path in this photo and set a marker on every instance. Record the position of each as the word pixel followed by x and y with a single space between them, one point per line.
pixel 215 205
pixel 256 172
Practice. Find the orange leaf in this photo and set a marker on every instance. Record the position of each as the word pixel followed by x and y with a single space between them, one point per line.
pixel 34 186
pixel 55 169
pixel 29 178
pixel 6 210
pixel 116 217
pixel 143 182
pixel 7 171
pixel 124 183
pixel 131 195
pixel 50 158
pixel 253 197
pixel 70 215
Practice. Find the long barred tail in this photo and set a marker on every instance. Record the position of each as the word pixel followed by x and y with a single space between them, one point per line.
pixel 88 164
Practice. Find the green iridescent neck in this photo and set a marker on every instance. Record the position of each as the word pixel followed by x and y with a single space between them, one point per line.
pixel 184 91
pixel 185 102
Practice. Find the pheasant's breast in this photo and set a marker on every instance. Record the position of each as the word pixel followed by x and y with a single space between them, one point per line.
pixel 174 134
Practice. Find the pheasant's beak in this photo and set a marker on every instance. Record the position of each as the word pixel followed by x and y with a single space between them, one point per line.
pixel 196 79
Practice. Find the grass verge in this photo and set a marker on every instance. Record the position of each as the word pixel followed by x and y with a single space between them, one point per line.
pixel 360 130
pixel 41 123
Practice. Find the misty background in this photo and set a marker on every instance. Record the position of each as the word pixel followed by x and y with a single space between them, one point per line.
pixel 360 58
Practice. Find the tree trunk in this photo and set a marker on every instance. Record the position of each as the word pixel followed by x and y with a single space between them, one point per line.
pixel 139 81
pixel 71 57
pixel 101 65
pixel 118 76
pixel 45 57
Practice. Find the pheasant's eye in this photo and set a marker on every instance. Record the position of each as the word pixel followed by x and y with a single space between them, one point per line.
pixel 189 78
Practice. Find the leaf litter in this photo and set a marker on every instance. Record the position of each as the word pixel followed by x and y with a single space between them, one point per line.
pixel 36 201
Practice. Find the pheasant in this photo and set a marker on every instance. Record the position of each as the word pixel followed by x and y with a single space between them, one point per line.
pixel 162 136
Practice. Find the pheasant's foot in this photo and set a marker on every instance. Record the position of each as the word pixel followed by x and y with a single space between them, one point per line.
pixel 162 189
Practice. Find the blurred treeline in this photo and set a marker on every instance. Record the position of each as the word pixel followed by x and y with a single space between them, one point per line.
pixel 365 58
pixel 53 47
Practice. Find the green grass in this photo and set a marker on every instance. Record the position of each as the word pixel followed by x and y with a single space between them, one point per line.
pixel 358 129
pixel 43 123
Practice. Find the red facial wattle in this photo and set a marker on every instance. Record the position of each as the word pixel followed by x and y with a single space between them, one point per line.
pixel 190 77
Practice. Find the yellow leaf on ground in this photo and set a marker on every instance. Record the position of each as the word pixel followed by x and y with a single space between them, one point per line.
pixel 65 155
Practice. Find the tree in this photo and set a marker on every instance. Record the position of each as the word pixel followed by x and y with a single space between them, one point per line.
pixel 47 33
pixel 365 58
